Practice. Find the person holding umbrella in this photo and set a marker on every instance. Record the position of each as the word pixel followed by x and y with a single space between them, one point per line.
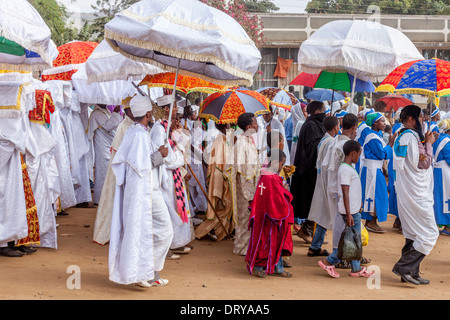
pixel 414 186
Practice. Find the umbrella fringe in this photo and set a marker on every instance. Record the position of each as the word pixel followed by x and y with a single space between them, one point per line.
pixel 214 118
pixel 246 77
pixel 425 92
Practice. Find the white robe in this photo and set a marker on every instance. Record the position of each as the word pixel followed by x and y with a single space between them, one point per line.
pixel 131 251
pixel 298 118
pixel 415 199
pixel 102 227
pixel 320 210
pixel 101 130
pixel 182 233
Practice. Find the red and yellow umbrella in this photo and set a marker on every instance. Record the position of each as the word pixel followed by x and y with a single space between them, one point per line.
pixel 226 107
pixel 71 55
pixel 185 84
pixel 279 97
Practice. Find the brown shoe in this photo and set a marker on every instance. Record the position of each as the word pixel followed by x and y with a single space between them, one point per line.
pixel 303 235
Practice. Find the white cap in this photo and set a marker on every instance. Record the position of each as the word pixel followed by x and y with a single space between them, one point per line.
pixel 180 110
pixel 140 105
pixel 164 100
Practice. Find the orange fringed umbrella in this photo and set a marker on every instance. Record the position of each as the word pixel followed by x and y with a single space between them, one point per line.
pixel 185 84
pixel 226 107
pixel 71 55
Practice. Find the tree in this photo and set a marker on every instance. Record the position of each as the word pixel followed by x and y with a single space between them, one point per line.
pixel 252 24
pixel 105 10
pixel 412 7
pixel 55 16
pixel 260 6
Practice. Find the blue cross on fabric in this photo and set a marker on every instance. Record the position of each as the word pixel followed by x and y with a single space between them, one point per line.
pixel 369 201
pixel 448 204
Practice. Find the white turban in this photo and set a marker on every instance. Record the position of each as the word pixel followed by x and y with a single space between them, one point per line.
pixel 164 100
pixel 444 125
pixel 180 110
pixel 140 105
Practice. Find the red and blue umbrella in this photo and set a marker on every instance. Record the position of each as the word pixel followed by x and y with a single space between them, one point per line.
pixel 429 77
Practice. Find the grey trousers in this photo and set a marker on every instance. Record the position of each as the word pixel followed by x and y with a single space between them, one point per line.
pixel 410 260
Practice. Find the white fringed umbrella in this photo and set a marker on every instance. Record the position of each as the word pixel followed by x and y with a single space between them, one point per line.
pixel 25 39
pixel 105 64
pixel 187 37
pixel 364 48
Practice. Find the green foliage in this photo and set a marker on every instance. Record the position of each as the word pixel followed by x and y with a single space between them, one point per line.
pixel 411 7
pixel 260 6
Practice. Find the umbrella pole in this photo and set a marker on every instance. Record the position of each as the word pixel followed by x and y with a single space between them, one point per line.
pixel 173 100
pixel 353 90
pixel 209 201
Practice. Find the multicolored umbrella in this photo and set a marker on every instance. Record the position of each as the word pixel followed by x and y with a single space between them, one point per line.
pixel 71 56
pixel 429 77
pixel 279 97
pixel 184 84
pixel 226 107
pixel 395 102
pixel 340 81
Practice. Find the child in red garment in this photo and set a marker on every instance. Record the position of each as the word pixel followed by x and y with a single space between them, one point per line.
pixel 270 222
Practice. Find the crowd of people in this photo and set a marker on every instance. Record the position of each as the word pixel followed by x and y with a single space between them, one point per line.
pixel 160 180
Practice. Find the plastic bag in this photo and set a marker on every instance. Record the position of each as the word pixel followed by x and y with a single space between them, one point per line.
pixel 350 246
pixel 364 236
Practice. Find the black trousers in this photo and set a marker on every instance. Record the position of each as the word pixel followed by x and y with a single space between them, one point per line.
pixel 410 260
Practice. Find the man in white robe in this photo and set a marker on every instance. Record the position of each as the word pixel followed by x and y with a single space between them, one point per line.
pixel 101 130
pixel 141 231
pixel 271 123
pixel 102 225
pixel 414 186
pixel 320 211
pixel 178 206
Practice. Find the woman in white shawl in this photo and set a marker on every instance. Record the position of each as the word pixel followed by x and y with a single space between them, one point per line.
pixel 414 186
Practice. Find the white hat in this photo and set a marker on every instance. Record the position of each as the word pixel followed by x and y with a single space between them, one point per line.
pixel 180 110
pixel 195 108
pixel 164 100
pixel 140 105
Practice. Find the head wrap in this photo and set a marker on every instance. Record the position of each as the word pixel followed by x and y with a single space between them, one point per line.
pixel 164 100
pixel 340 113
pixel 444 125
pixel 372 118
pixel 397 114
pixel 413 111
pixel 367 111
pixel 195 109
pixel 435 112
pixel 140 105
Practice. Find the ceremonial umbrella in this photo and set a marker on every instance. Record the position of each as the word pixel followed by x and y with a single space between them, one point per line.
pixel 226 107
pixel 324 95
pixel 279 97
pixel 71 56
pixel 394 102
pixel 105 64
pixel 25 39
pixel 187 37
pixel 185 84
pixel 335 80
pixel 430 77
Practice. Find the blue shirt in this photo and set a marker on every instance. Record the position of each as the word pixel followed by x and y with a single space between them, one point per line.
pixel 289 128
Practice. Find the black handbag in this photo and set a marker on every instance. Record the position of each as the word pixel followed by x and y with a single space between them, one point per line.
pixel 350 245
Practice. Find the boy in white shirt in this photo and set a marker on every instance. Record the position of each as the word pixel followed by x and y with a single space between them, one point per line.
pixel 349 207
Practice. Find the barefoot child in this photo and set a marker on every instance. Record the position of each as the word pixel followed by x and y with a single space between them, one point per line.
pixel 349 207
pixel 270 222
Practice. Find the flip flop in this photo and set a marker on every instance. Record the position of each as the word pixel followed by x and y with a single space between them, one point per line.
pixel 444 233
pixel 259 274
pixel 317 253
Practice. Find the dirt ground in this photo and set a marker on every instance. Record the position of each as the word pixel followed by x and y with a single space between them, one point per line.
pixel 211 272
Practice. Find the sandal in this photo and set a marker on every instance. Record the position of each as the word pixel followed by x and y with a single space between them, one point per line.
pixel 283 274
pixel 259 274
pixel 10 252
pixel 317 253
pixel 344 264
pixel 444 232
pixel 375 230
pixel 286 264
pixel 329 269
pixel 365 261
pixel 362 273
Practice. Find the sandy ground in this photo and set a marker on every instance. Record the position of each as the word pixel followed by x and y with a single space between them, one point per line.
pixel 211 272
